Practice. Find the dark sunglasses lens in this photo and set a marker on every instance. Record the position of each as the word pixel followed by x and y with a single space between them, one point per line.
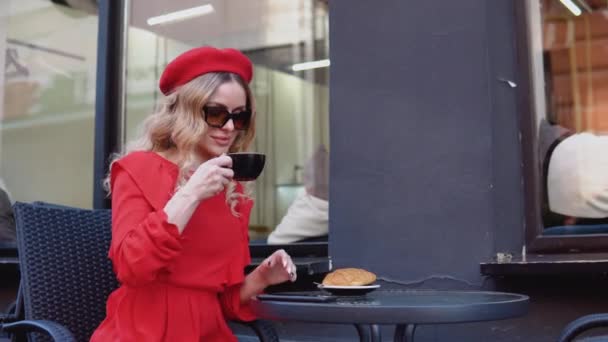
pixel 216 116
pixel 241 120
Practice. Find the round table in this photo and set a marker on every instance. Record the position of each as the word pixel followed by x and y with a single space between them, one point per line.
pixel 404 308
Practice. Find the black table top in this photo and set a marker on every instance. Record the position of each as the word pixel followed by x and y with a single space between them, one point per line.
pixel 401 307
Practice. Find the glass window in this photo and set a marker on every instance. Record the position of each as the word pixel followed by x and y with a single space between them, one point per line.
pixel 47 100
pixel 570 68
pixel 291 97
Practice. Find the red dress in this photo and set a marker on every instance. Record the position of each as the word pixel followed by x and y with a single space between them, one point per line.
pixel 173 287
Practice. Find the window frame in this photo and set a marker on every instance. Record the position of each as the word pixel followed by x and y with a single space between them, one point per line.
pixel 535 242
pixel 109 103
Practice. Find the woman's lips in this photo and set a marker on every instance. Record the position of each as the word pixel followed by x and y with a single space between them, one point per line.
pixel 222 141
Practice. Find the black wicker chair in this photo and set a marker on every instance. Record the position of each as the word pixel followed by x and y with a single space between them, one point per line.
pixel 584 324
pixel 66 276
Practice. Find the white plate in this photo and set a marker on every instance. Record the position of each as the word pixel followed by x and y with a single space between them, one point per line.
pixel 348 290
pixel 375 286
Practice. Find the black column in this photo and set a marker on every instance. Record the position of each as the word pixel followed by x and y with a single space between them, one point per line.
pixel 425 153
pixel 108 93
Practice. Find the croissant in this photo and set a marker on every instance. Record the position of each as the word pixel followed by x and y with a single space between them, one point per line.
pixel 349 277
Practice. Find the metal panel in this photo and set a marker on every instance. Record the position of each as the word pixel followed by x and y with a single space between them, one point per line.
pixel 109 92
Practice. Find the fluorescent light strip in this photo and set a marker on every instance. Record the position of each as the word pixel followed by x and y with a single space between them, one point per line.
pixel 180 15
pixel 310 65
pixel 572 7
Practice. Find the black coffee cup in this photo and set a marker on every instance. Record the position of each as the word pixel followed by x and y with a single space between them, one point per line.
pixel 247 166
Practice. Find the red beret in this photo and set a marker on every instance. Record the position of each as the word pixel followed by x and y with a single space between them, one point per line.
pixel 201 60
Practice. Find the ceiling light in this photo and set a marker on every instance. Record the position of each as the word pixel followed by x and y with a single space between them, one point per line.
pixel 180 15
pixel 572 7
pixel 310 65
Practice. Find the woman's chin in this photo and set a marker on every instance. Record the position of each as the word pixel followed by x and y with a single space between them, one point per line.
pixel 208 153
pixel 221 151
pixel 216 152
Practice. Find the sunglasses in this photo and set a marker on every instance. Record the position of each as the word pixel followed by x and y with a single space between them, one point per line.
pixel 218 116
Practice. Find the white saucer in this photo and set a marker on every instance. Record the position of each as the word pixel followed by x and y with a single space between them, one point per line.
pixel 348 290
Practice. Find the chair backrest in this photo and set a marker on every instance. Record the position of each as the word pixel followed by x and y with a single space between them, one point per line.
pixel 66 275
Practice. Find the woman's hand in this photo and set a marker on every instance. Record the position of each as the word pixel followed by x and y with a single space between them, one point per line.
pixel 206 181
pixel 277 268
pixel 210 178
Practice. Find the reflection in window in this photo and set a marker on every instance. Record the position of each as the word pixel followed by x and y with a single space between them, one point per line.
pixel 291 97
pixel 573 132
pixel 47 102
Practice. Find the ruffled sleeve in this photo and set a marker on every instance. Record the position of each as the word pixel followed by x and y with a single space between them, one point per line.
pixel 232 307
pixel 143 242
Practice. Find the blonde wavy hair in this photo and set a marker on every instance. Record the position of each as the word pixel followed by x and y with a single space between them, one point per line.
pixel 178 125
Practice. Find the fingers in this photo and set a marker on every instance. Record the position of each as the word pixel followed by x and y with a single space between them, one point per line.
pixel 291 269
pixel 293 275
pixel 219 166
pixel 211 177
pixel 226 173
pixel 215 173
pixel 221 161
pixel 287 264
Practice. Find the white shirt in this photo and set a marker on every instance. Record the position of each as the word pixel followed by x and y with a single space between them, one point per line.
pixel 577 179
pixel 307 217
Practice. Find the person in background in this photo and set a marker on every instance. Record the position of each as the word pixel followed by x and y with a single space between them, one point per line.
pixel 307 218
pixel 577 180
pixel 574 166
pixel 179 220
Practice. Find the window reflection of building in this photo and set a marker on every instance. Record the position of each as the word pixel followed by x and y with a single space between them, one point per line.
pixel 576 47
pixel 48 90
pixel 575 125
pixel 292 105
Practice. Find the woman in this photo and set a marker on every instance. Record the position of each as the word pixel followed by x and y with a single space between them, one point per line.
pixel 179 221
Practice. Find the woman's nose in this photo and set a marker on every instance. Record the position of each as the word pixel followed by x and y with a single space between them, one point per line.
pixel 229 126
